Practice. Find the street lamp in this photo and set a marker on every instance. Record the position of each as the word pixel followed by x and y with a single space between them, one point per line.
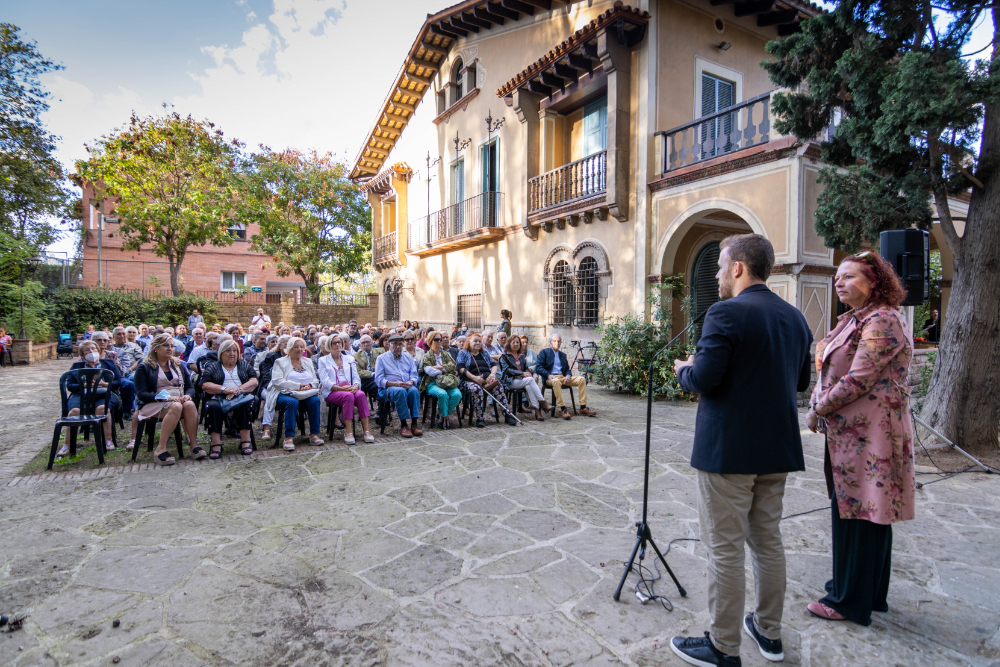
pixel 31 263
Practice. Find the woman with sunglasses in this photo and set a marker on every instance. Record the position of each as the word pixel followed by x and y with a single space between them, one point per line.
pixel 409 345
pixel 439 377
pixel 862 403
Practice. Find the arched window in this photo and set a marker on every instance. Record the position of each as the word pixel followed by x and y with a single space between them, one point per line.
pixel 562 294
pixel 391 297
pixel 704 286
pixel 456 81
pixel 586 283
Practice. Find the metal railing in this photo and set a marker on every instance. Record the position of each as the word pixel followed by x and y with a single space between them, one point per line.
pixel 483 210
pixel 728 130
pixel 385 246
pixel 576 180
pixel 235 297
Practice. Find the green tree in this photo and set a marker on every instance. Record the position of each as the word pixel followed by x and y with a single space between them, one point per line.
pixel 920 122
pixel 33 187
pixel 313 219
pixel 174 182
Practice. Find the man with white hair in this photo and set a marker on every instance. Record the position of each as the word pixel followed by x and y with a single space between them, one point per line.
pixel 553 367
pixel 397 380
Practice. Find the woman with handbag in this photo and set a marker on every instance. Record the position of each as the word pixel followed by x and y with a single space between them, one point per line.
pixel 294 383
pixel 231 382
pixel 163 389
pixel 515 374
pixel 341 385
pixel 479 373
pixel 439 377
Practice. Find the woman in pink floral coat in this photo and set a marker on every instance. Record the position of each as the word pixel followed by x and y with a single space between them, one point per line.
pixel 862 403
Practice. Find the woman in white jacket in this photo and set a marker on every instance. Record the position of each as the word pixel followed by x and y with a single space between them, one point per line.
pixel 294 383
pixel 341 385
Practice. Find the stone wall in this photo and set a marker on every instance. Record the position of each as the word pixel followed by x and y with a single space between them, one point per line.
pixel 27 352
pixel 290 312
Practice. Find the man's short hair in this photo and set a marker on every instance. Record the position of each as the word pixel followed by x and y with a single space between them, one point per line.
pixel 117 329
pixel 755 251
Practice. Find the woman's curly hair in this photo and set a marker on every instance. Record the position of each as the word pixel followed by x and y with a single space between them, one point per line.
pixel 887 289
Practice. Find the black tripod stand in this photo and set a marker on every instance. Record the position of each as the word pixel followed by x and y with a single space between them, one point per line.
pixel 643 534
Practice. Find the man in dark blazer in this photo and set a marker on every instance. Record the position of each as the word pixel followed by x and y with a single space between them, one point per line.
pixel 751 360
pixel 553 367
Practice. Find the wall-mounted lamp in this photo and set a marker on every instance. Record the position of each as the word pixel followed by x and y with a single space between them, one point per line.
pixel 725 46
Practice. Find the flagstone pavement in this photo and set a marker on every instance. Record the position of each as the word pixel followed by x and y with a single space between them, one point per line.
pixel 495 546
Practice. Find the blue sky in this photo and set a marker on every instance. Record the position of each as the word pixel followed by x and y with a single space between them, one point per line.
pixel 299 73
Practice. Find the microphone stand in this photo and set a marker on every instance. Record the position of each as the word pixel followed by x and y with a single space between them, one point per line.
pixel 643 534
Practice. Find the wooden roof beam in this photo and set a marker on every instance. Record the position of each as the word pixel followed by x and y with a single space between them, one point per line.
pixel 754 7
pixel 459 24
pixel 518 6
pixel 789 29
pixel 717 3
pixel 445 30
pixel 550 79
pixel 536 86
pixel 426 64
pixel 581 62
pixel 565 72
pixel 776 18
pixel 500 10
pixel 393 133
pixel 485 14
pixel 426 80
pixel 545 5
pixel 475 20
pixel 404 106
pixel 374 160
pixel 433 48
pixel 393 118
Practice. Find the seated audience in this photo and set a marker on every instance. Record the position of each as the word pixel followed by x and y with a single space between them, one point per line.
pixel 144 338
pixel 397 380
pixel 228 379
pixel 90 358
pixel 553 367
pixel 477 372
pixel 294 386
pixel 164 390
pixel 266 368
pixel 341 385
pixel 409 345
pixel 439 377
pixel 515 374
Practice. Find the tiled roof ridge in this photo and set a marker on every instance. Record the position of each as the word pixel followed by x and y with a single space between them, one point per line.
pixel 570 43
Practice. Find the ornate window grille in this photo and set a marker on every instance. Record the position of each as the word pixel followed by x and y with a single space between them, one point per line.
pixel 562 300
pixel 391 302
pixel 587 293
pixel 470 311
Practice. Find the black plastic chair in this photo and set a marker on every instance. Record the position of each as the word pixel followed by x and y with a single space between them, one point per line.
pixel 515 398
pixel 572 399
pixel 279 421
pixel 148 426
pixel 6 350
pixel 88 379
pixel 332 412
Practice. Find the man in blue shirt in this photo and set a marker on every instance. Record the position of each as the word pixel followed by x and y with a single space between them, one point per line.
pixel 397 380
pixel 553 367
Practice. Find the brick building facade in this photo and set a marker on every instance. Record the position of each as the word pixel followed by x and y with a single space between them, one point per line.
pixel 207 270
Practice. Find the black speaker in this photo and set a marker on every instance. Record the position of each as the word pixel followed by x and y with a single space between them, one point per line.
pixel 909 252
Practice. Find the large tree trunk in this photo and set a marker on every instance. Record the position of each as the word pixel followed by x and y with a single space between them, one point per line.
pixel 175 277
pixel 964 398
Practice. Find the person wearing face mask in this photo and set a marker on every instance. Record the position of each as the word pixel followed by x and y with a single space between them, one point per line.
pixel 90 357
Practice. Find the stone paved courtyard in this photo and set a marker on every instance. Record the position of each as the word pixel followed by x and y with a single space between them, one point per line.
pixel 499 546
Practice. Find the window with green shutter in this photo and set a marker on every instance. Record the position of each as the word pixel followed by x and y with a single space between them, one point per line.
pixel 716 94
pixel 595 127
pixel 704 286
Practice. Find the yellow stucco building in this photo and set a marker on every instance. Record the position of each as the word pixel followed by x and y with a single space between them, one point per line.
pixel 623 143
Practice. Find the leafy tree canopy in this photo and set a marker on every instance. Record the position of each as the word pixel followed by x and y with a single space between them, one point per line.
pixel 910 107
pixel 313 219
pixel 174 181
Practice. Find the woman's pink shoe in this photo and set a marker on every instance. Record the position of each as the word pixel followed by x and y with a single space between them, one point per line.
pixel 820 610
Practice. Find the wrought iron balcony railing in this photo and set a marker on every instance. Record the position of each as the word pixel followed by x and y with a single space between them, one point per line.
pixel 385 246
pixel 483 210
pixel 577 180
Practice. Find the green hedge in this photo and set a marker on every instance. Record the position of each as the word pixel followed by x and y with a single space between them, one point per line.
pixel 75 309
